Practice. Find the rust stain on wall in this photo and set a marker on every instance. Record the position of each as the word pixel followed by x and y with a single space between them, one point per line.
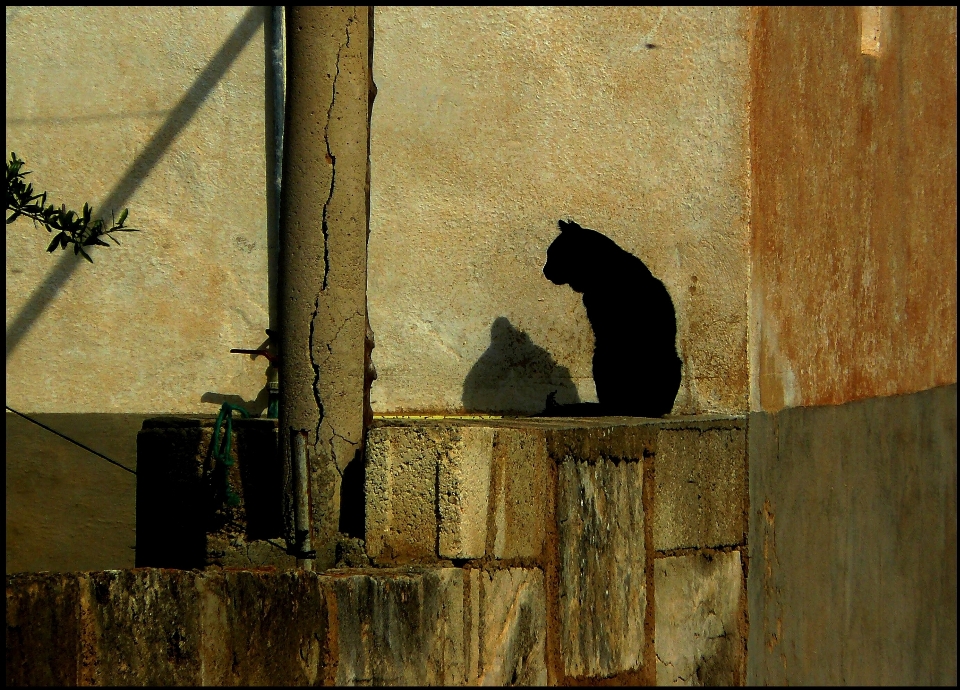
pixel 854 247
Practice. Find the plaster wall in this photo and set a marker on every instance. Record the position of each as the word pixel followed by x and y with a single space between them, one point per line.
pixel 490 124
pixel 162 110
pixel 854 165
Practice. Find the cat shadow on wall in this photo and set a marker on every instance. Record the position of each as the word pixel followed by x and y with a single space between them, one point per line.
pixel 515 376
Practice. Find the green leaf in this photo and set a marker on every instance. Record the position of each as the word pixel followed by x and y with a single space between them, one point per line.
pixel 85 255
pixel 123 217
pixel 12 218
pixel 53 245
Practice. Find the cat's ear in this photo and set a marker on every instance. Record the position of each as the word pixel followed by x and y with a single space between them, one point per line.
pixel 566 225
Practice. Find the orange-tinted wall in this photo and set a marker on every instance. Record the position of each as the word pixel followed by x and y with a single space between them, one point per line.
pixel 854 237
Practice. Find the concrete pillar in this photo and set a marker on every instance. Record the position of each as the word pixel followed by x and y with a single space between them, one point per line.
pixel 323 255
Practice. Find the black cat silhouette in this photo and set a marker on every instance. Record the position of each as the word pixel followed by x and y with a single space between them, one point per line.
pixel 635 364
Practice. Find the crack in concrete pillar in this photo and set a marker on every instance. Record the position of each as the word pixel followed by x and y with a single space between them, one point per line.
pixel 324 227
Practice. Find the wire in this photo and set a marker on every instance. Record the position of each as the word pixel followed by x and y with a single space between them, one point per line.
pixel 77 443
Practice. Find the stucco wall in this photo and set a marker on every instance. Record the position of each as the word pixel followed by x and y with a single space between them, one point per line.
pixel 854 250
pixel 489 125
pixel 161 110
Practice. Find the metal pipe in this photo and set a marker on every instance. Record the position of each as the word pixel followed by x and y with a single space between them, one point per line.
pixel 278 61
pixel 301 494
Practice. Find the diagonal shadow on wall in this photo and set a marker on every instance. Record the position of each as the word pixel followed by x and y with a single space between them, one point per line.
pixel 516 376
pixel 136 173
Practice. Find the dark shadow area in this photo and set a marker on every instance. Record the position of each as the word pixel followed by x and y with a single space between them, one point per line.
pixel 515 376
pixel 635 364
pixel 172 502
pixel 138 170
pixel 253 407
pixel 352 498
pixel 261 479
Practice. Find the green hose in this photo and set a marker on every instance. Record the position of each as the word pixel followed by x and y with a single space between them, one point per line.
pixel 222 455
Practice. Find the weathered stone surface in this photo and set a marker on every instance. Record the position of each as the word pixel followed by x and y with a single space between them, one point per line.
pixel 263 628
pixel 511 626
pixel 517 520
pixel 699 639
pixel 459 231
pixel 402 627
pixel 323 251
pixel 141 627
pixel 401 493
pixel 617 438
pixel 43 629
pixel 191 165
pixel 602 561
pixel 463 483
pixel 853 283
pixel 701 488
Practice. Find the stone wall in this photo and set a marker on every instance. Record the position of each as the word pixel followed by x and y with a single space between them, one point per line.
pixel 531 552
pixel 637 529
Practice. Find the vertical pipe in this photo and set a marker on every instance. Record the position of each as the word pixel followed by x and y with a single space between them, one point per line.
pixel 301 495
pixel 278 67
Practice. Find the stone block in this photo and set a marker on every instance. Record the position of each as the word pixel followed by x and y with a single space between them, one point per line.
pixel 601 567
pixel 427 492
pixel 141 627
pixel 463 482
pixel 43 629
pixel 517 522
pixel 401 493
pixel 699 636
pixel 510 625
pixel 263 628
pixel 700 495
pixel 399 627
